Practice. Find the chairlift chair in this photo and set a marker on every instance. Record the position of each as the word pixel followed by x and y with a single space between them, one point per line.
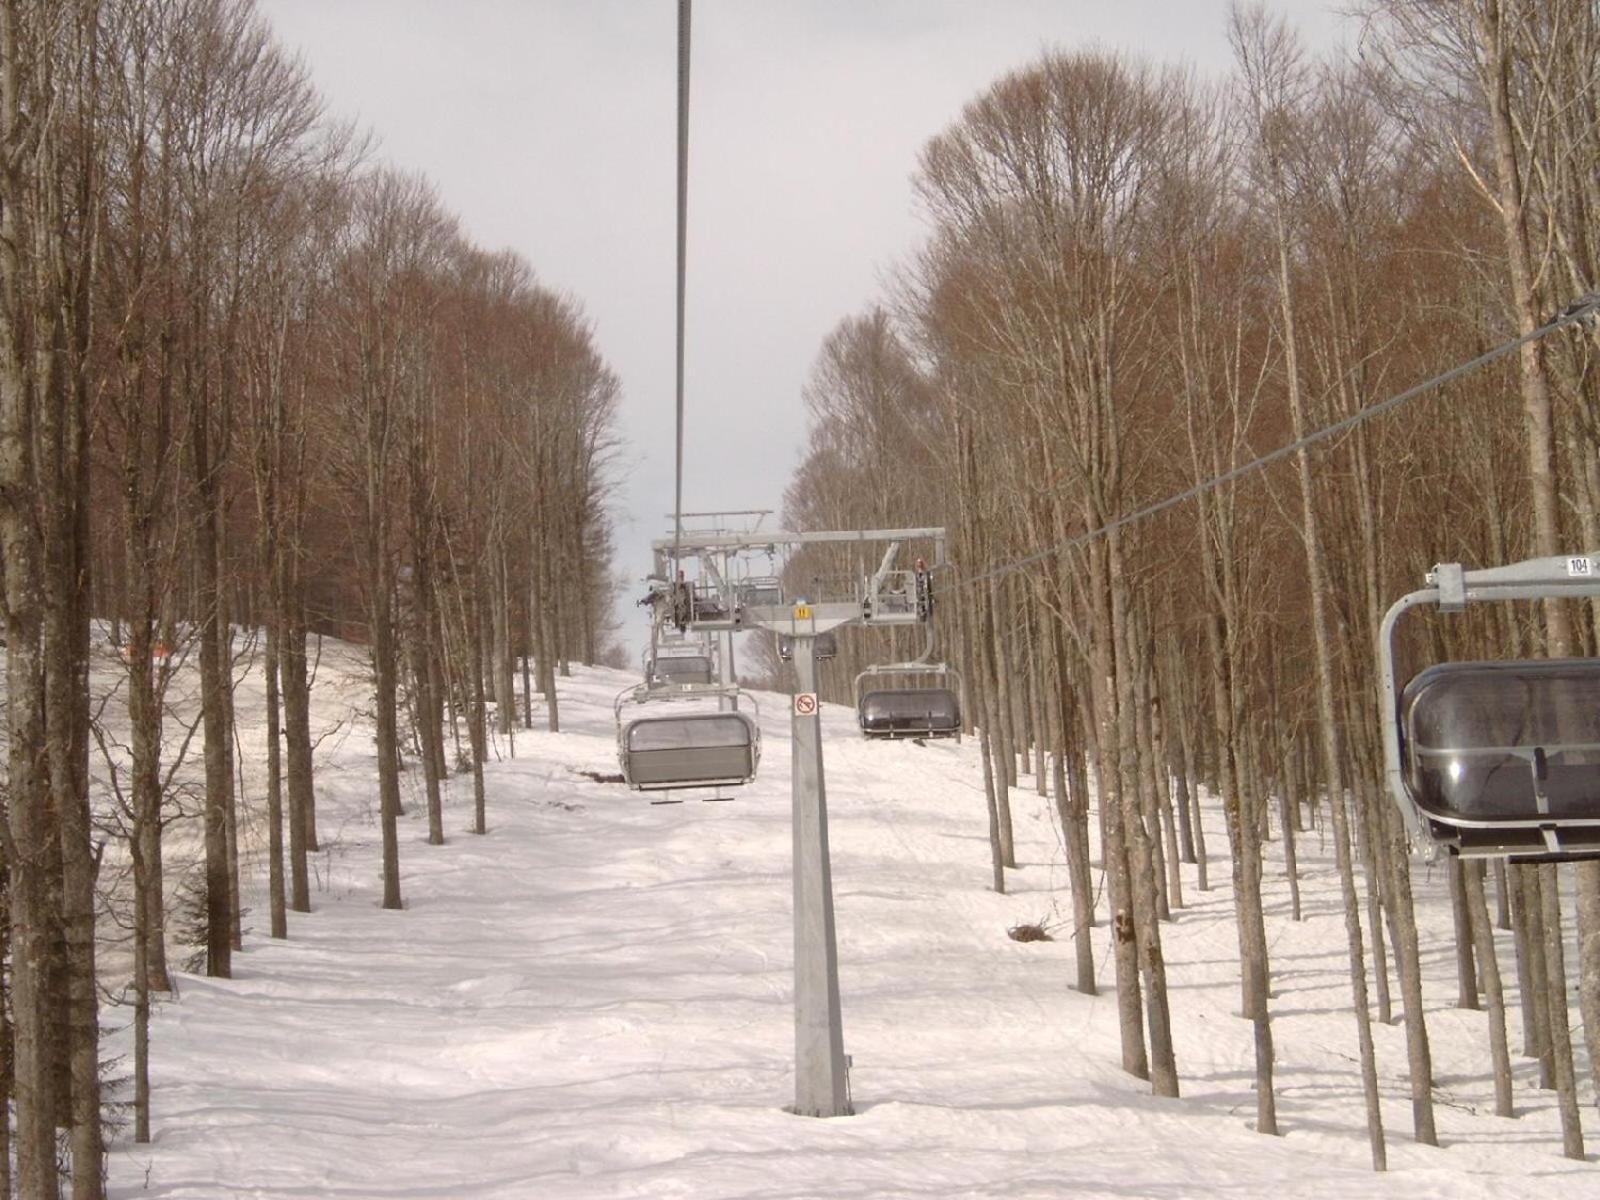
pixel 697 749
pixel 825 645
pixel 760 591
pixel 1502 758
pixel 673 659
pixel 676 670
pixel 918 711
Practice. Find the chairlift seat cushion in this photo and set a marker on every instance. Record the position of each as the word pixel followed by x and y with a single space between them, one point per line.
pixel 910 712
pixel 1513 742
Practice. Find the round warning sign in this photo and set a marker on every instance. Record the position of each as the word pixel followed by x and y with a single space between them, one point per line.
pixel 805 704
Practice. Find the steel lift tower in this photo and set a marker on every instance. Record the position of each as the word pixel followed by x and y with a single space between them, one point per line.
pixel 713 603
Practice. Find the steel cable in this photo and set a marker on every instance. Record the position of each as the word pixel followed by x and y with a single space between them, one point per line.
pixel 683 245
pixel 1586 307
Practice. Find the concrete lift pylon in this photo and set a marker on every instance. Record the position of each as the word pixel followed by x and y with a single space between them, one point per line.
pixel 821 1082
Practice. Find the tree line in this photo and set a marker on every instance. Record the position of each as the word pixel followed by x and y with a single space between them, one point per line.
pixel 1137 280
pixel 254 389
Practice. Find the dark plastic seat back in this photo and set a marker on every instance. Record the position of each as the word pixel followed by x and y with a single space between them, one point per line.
pixel 765 592
pixel 825 646
pixel 693 750
pixel 682 668
pixel 910 712
pixel 1504 743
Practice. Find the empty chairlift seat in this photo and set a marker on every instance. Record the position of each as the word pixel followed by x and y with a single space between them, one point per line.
pixel 671 670
pixel 825 646
pixel 1504 757
pixel 760 592
pixel 707 749
pixel 909 712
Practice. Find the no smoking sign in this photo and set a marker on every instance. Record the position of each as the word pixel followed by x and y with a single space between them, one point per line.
pixel 805 704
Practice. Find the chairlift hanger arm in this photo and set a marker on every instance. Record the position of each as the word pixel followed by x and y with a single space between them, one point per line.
pixel 1581 309
pixel 885 565
pixel 1532 579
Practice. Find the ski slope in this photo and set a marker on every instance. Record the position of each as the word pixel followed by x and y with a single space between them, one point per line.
pixel 593 1000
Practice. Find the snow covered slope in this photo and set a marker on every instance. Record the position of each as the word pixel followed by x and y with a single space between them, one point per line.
pixel 594 1001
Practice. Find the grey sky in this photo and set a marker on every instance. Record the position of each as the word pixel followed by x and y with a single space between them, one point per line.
pixel 550 125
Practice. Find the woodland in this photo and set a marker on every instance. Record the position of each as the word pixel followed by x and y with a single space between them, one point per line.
pixel 1137 282
pixel 256 389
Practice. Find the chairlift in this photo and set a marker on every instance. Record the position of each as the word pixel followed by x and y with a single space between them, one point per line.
pixel 910 711
pixel 1502 758
pixel 677 670
pixel 760 592
pixel 825 645
pixel 897 597
pixel 698 749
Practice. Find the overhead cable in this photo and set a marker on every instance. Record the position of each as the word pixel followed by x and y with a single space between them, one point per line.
pixel 1584 308
pixel 683 246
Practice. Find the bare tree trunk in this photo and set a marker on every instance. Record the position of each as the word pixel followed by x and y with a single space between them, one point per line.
pixel 478 727
pixel 1114 838
pixel 1588 922
pixel 1526 908
pixel 1196 823
pixel 380 600
pixel 548 638
pixel 1142 770
pixel 999 751
pixel 7 1089
pixel 1367 835
pixel 141 1026
pixel 1001 706
pixel 979 691
pixel 276 900
pixel 1036 705
pixel 215 678
pixel 1155 766
pixel 383 658
pixel 297 730
pixel 1416 1033
pixel 1556 990
pixel 1461 917
pixel 1403 916
pixel 1142 871
pixel 1489 969
pixel 420 627
pixel 1072 810
pixel 297 733
pixel 29 851
pixel 504 694
pixel 1502 896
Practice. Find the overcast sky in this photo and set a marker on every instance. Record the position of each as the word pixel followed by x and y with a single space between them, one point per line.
pixel 550 126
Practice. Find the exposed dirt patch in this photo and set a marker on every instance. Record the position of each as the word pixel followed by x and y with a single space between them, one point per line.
pixel 1029 933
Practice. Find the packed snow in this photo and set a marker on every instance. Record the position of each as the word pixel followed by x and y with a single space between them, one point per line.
pixel 594 1000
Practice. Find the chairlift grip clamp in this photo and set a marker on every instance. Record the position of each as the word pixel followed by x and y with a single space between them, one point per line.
pixel 1451 582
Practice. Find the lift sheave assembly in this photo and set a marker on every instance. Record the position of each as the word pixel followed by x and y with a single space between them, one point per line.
pixel 1498 759
pixel 691 617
